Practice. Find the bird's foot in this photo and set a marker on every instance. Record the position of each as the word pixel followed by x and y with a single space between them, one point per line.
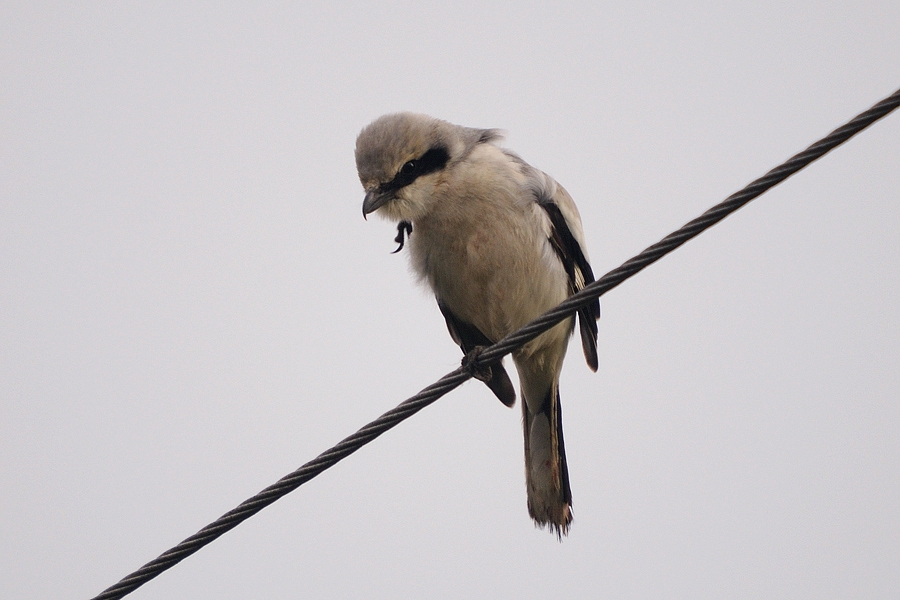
pixel 470 363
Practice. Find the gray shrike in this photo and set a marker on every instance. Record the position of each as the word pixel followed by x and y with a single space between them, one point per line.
pixel 499 242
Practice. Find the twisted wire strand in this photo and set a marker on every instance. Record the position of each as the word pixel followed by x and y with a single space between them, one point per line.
pixel 513 341
pixel 690 230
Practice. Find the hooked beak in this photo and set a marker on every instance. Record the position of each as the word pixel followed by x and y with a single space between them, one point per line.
pixel 373 201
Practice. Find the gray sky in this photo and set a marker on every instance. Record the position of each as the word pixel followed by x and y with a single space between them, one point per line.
pixel 191 305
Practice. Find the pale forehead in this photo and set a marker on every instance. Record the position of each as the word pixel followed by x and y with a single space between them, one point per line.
pixel 391 140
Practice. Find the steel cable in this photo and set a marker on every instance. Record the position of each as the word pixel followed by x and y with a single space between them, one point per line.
pixel 510 343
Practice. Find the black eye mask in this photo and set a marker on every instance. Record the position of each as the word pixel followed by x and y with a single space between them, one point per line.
pixel 433 160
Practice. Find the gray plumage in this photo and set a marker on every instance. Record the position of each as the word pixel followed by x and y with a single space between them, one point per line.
pixel 499 242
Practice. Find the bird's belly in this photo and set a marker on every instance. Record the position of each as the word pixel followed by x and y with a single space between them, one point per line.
pixel 495 283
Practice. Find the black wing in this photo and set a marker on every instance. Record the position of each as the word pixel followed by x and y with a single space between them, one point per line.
pixel 572 257
pixel 469 337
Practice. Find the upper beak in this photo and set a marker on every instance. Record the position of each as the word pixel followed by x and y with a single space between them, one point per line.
pixel 373 201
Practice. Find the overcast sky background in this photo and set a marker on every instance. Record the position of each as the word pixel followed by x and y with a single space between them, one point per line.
pixel 191 305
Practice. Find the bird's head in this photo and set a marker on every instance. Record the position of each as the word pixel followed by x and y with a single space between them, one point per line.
pixel 403 158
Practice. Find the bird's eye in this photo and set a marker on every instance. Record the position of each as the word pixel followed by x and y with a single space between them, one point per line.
pixel 408 168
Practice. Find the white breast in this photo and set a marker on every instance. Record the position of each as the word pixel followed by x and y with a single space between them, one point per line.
pixel 483 246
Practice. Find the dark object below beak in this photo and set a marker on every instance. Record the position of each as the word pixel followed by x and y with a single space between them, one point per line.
pixel 403 227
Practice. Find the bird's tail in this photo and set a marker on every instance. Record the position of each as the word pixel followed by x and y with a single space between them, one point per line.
pixel 546 474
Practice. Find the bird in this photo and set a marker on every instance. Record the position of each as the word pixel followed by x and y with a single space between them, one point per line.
pixel 499 242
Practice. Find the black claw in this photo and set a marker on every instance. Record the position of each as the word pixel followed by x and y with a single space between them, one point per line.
pixel 402 227
pixel 470 364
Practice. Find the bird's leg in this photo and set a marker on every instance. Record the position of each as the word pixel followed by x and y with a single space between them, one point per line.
pixel 470 363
